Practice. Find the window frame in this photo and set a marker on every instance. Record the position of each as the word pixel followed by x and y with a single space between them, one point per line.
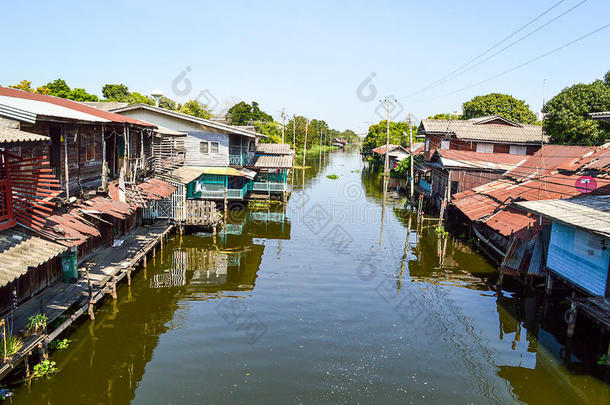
pixel 445 142
pixel 485 147
pixel 90 146
pixel 204 145
pixel 212 147
pixel 520 147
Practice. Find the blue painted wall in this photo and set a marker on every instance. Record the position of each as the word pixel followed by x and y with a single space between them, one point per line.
pixel 577 256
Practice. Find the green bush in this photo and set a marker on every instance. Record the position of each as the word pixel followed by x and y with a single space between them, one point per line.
pixel 13 345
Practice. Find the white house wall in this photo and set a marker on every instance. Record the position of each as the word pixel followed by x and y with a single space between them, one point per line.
pixel 193 156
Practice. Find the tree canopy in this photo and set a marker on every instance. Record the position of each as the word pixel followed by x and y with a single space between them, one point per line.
pixel 378 132
pixel 567 119
pixel 445 116
pixel 501 104
pixel 243 113
pixel 56 88
pixel 194 108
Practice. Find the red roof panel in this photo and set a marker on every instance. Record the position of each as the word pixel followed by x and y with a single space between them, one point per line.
pixel 73 105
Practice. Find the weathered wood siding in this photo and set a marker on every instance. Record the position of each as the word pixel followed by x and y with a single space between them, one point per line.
pixel 455 144
pixel 193 155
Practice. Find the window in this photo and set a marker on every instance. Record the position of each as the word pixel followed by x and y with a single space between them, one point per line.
pixel 213 147
pixel 445 144
pixel 517 150
pixel 251 146
pixel 90 151
pixel 485 147
pixel 204 147
pixel 427 145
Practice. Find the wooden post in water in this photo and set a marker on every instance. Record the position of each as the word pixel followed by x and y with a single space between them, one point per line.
pixel 305 145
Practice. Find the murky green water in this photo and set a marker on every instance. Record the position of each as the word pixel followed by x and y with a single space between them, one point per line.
pixel 317 304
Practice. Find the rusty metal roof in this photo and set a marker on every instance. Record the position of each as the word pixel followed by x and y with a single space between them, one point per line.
pixel 155 189
pixel 104 205
pixel 270 161
pixel 273 149
pixel 27 106
pixel 478 160
pixel 488 129
pixel 490 203
pixel 20 250
pixel 12 135
pixel 589 213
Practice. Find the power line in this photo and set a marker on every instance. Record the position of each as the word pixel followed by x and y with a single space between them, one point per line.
pixel 524 63
pixel 489 49
pixel 511 44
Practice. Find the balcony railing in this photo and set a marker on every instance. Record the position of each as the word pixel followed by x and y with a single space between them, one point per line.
pixel 236 160
pixel 267 186
pixel 232 194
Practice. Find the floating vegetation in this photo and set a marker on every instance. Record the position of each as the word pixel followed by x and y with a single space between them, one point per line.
pixel 332 176
pixel 301 167
pixel 356 171
pixel 59 344
pixel 45 369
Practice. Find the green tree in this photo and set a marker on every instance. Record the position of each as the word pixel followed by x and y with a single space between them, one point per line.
pixel 501 104
pixel 243 113
pixel 445 116
pixel 24 85
pixel 57 88
pixel 115 92
pixel 195 108
pixel 377 135
pixel 272 129
pixel 167 103
pixel 567 119
pixel 81 95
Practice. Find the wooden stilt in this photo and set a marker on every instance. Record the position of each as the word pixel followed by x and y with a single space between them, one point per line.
pixel 113 290
pixel 144 261
pixel 549 283
pixel 128 277
pixel 26 363
pixel 571 321
pixel 42 349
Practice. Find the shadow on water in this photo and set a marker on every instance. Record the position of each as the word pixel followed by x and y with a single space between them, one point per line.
pixel 265 311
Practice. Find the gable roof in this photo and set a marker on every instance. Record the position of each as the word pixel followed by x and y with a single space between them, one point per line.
pixel 232 129
pixel 485 129
pixel 381 149
pixel 589 213
pixel 273 148
pixel 31 107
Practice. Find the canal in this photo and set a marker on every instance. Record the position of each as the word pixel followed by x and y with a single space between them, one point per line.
pixel 318 303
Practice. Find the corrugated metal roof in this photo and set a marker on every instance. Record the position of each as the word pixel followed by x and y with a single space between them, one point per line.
pixel 11 135
pixel 602 115
pixel 108 206
pixel 105 105
pixel 270 161
pixel 490 203
pixel 155 189
pixel 232 129
pixel 186 174
pixel 39 104
pixel 589 213
pixel 479 160
pixel 273 149
pixel 489 129
pixel 20 250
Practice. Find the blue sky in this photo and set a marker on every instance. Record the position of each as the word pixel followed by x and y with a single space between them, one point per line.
pixel 307 57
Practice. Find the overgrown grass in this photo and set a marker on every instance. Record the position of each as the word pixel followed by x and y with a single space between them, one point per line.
pixel 313 150
pixel 13 345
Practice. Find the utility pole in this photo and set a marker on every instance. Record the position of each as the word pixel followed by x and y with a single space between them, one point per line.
pixel 305 146
pixel 386 170
pixel 412 154
pixel 282 125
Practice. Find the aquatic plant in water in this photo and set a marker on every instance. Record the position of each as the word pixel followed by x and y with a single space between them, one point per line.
pixel 45 369
pixel 332 176
pixel 59 344
pixel 440 231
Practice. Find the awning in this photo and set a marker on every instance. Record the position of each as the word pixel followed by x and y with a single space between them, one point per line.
pixel 247 173
pixel 186 174
pixel 13 135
